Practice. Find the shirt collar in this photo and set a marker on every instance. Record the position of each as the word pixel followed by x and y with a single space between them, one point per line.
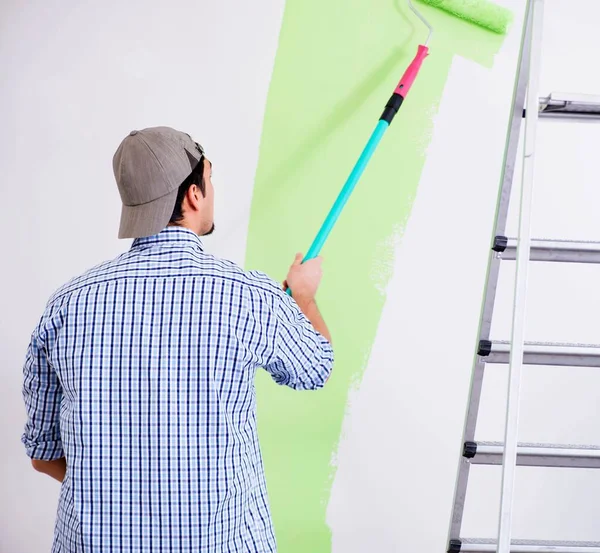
pixel 170 236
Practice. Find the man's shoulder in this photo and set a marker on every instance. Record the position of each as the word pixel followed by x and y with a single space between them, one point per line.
pixel 203 266
pixel 256 280
pixel 94 275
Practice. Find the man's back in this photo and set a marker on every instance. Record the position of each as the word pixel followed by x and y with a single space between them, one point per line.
pixel 141 373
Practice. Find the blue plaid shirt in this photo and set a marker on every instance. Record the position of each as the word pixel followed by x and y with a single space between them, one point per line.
pixel 141 373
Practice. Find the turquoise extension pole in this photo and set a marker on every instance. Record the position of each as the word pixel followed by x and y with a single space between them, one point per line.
pixel 347 190
pixel 391 108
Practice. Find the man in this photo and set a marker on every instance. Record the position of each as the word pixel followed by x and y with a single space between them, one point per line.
pixel 139 379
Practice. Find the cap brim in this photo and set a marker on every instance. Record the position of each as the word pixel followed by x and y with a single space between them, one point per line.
pixel 139 221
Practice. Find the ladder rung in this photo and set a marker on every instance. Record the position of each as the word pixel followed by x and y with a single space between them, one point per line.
pixel 566 251
pixel 570 106
pixel 540 353
pixel 525 546
pixel 535 455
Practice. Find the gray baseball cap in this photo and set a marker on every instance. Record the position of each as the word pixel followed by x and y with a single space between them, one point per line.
pixel 149 167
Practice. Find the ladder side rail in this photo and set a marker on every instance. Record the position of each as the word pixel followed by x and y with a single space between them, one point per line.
pixel 509 462
pixel 483 332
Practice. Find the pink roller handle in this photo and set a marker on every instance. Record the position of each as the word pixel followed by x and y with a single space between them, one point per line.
pixel 411 72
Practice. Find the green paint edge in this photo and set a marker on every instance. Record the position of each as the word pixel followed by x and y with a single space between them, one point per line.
pixel 336 65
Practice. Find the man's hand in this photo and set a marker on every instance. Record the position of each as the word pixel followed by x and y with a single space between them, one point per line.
pixel 56 469
pixel 304 278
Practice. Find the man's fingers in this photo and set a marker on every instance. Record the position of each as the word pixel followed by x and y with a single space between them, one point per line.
pixel 298 259
pixel 316 261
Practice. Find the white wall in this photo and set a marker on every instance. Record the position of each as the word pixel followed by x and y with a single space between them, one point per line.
pixel 76 78
pixel 399 453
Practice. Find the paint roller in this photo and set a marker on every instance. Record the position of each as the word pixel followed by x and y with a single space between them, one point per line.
pixel 483 13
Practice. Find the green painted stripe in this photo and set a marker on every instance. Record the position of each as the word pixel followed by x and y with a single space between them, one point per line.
pixel 336 66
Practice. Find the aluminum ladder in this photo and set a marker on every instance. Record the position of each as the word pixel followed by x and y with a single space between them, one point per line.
pixel 528 106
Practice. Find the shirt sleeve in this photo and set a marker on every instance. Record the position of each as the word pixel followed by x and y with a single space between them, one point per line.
pixel 303 358
pixel 42 394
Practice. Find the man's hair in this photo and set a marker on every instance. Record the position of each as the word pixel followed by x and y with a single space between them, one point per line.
pixel 196 177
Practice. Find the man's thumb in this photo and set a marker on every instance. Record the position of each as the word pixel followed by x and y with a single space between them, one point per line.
pixel 298 259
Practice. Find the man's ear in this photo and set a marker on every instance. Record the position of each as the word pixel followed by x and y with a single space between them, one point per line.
pixel 193 197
